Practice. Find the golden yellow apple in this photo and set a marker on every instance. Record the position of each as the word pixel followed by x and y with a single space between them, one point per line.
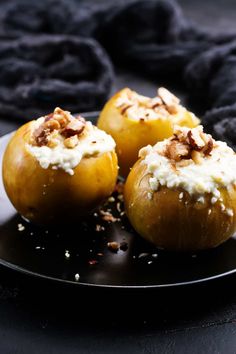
pixel 52 196
pixel 135 121
pixel 173 224
pixel 181 194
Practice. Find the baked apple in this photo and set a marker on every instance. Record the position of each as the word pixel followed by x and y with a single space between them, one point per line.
pixel 58 168
pixel 135 121
pixel 181 193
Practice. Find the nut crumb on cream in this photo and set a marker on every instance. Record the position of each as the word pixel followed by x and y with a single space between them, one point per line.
pixel 173 163
pixel 61 140
pixel 162 107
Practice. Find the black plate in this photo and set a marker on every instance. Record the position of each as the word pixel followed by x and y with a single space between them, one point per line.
pixel 60 254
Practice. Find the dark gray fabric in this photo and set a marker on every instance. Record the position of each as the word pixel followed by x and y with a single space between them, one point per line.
pixel 39 73
pixel 45 62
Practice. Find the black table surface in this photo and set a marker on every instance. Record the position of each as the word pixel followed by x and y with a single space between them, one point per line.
pixel 37 316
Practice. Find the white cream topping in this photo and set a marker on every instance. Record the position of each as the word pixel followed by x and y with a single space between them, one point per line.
pixel 218 170
pixel 94 142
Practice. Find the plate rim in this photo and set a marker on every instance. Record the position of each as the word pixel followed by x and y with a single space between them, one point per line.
pixel 25 271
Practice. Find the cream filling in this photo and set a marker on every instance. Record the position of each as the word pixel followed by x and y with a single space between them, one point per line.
pixel 140 108
pixel 215 172
pixel 94 142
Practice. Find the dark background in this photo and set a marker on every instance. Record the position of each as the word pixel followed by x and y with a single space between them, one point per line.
pixel 40 317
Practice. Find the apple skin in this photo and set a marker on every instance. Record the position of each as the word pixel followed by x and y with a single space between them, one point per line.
pixel 47 196
pixel 131 135
pixel 173 224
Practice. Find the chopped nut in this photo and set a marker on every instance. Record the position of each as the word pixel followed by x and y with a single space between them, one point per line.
pixel 196 157
pixel 52 124
pixel 111 199
pixel 74 127
pixel 48 117
pixel 143 255
pixel 124 109
pixel 189 144
pixel 52 143
pixel 167 97
pixel 155 102
pixel 195 140
pixel 229 212
pixel 20 227
pixel 58 112
pixel 67 254
pixel 62 121
pixel 209 144
pixel 99 228
pixel 107 216
pixel 52 139
pixel 41 135
pixel 177 151
pixel 121 197
pixel 181 134
pixel 118 207
pixel 61 116
pixel 184 163
pixel 71 142
pixel 113 246
pixel 172 109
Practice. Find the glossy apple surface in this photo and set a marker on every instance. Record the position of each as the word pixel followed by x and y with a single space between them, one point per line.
pixel 49 196
pixel 173 224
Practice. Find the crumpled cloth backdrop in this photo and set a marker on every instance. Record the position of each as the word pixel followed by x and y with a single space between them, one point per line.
pixel 61 52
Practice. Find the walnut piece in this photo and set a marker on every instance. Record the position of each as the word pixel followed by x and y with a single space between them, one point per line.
pixel 196 156
pixel 209 143
pixel 113 246
pixel 58 123
pixel 177 151
pixel 188 144
pixel 74 127
pixel 195 140
pixel 125 107
pixel 172 109
pixel 155 102
pixel 52 124
pixel 63 117
pixel 167 97
pixel 163 105
pixel 40 136
pixel 71 142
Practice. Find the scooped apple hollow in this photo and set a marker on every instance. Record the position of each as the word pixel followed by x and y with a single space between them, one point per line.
pixel 135 121
pixel 181 194
pixel 58 168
